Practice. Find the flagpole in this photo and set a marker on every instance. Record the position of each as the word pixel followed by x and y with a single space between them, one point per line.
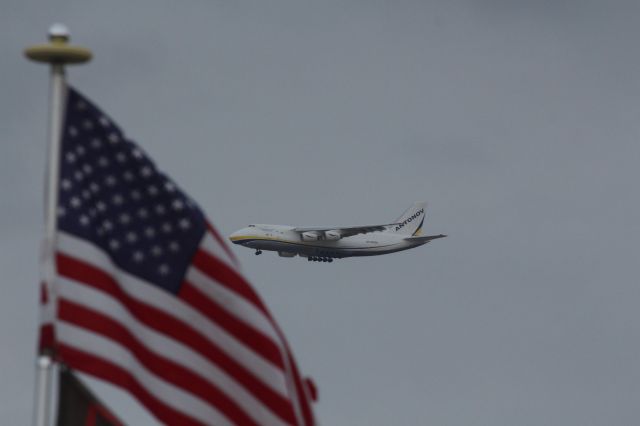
pixel 57 53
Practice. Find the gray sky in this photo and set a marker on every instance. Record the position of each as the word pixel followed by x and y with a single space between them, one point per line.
pixel 517 121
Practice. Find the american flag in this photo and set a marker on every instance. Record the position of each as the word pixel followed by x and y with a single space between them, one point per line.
pixel 148 296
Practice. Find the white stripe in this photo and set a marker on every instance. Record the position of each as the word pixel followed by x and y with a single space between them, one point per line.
pixel 151 295
pixel 211 245
pixel 235 304
pixel 167 393
pixel 167 348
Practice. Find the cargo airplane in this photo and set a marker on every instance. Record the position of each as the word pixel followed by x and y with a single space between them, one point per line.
pixel 323 244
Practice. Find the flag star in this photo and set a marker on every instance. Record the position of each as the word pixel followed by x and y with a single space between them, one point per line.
pixel 66 184
pixel 71 157
pixel 81 105
pixel 117 199
pixel 107 225
pixel 164 269
pixel 103 161
pixel 167 228
pixel 61 211
pixel 132 237
pixel 125 218
pixel 78 175
pixel 84 220
pixel 73 132
pixel 177 205
pixel 184 224
pixel 128 176
pixel 75 202
pixel 137 154
pixel 145 171
pixel 87 124
pixel 81 150
pixel 87 169
pixel 174 246
pixel 121 157
pixel 150 232
pixel 86 194
pixel 135 194
pixel 96 143
pixel 114 244
pixel 156 251
pixel 169 187
pixel 110 180
pixel 101 206
pixel 138 256
pixel 143 213
pixel 152 190
pixel 104 121
pixel 114 138
pixel 160 209
pixel 94 187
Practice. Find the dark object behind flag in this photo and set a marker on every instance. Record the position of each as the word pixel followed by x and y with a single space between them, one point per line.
pixel 149 297
pixel 77 406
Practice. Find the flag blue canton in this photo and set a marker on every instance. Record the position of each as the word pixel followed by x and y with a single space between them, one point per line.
pixel 113 195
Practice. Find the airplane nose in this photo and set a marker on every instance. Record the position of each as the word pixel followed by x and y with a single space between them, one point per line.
pixel 235 237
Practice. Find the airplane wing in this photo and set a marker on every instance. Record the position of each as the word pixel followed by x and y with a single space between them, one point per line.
pixel 343 232
pixel 425 239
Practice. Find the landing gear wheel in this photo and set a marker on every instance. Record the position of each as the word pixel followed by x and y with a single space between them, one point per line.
pixel 330 260
pixel 258 252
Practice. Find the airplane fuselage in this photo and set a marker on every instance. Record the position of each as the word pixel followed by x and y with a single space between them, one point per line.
pixel 289 243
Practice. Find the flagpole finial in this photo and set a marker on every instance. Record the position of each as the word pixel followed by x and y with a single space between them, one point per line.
pixel 59 32
pixel 58 51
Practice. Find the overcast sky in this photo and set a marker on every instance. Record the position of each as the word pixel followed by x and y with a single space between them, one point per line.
pixel 518 121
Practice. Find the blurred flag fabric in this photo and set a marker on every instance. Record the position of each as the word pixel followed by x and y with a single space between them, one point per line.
pixel 149 297
pixel 77 406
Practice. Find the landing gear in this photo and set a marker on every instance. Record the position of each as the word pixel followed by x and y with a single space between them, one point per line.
pixel 319 259
pixel 258 252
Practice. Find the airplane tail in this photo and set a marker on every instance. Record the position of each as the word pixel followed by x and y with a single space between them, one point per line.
pixel 410 222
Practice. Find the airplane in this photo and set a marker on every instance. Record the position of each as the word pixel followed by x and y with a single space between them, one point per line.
pixel 324 244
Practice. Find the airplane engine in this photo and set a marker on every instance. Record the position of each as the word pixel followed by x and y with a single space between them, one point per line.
pixel 310 236
pixel 332 235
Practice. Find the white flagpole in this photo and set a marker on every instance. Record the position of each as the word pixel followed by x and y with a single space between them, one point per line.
pixel 57 53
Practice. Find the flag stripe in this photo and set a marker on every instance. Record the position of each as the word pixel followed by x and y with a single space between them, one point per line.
pixel 107 371
pixel 182 405
pixel 252 338
pixel 168 325
pixel 162 367
pixel 100 313
pixel 236 305
pixel 221 273
pixel 161 310
pixel 221 243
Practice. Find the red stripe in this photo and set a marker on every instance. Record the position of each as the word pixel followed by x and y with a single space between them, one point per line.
pixel 165 323
pixel 302 399
pixel 238 328
pixel 46 340
pixel 105 370
pixel 230 279
pixel 222 243
pixel 160 366
pixel 227 277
